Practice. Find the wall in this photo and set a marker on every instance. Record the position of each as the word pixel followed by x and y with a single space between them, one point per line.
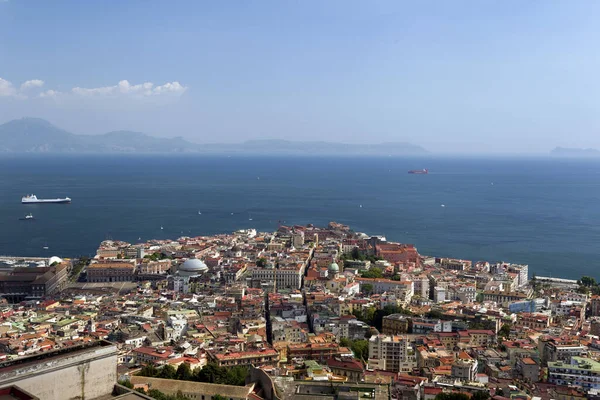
pixel 85 374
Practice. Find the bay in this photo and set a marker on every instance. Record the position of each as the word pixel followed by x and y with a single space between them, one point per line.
pixel 539 211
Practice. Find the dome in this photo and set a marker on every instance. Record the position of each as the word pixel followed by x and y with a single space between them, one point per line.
pixel 54 259
pixel 192 266
pixel 334 268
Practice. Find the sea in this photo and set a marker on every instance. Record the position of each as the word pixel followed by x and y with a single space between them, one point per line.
pixel 544 212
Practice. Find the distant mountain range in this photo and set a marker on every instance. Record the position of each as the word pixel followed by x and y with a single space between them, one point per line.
pixel 34 135
pixel 574 152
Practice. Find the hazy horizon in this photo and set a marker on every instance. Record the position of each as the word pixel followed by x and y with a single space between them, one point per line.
pixel 463 77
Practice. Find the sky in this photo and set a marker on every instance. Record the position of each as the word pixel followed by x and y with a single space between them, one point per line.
pixel 495 76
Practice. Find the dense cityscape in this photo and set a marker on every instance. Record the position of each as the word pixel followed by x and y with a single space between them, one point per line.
pixel 303 312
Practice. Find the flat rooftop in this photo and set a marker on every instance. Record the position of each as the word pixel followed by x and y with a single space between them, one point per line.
pixel 301 390
pixel 10 365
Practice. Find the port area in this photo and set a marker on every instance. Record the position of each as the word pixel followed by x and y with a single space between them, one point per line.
pixel 14 261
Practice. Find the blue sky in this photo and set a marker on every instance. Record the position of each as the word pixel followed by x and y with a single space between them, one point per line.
pixel 453 76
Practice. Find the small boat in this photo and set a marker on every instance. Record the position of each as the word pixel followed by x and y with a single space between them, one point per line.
pixel 443 205
pixel 161 228
pixel 231 213
pixel 418 171
pixel 199 213
pixel 360 206
pixel 249 217
pixel 27 217
pixel 45 247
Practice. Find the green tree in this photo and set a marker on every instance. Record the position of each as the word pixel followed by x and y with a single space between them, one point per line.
pixel 452 396
pixel 369 315
pixel 505 330
pixel 261 262
pixel 149 370
pixel 588 281
pixel 345 342
pixel 366 289
pixel 374 272
pixel 236 376
pixel 480 396
pixel 126 383
pixel 184 372
pixel 360 348
pixel 167 372
pixel 211 373
pixel 218 397
pixel 435 314
pixel 158 395
pixel 356 254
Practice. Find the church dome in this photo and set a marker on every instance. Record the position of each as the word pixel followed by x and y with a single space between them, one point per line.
pixel 334 268
pixel 192 266
pixel 54 259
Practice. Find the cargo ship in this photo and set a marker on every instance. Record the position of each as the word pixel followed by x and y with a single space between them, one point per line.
pixel 32 199
pixel 418 171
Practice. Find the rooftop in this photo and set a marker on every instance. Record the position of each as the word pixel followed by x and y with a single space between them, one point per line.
pixel 580 363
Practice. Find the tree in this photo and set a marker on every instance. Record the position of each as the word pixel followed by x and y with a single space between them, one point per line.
pixel 167 372
pixel 435 314
pixel 499 392
pixel 261 262
pixel 480 396
pixel 126 383
pixel 345 342
pixel 184 372
pixel 236 376
pixel 209 373
pixel 157 394
pixel 452 396
pixel 374 272
pixel 588 281
pixel 149 370
pixel 367 288
pixel 505 330
pixel 360 348
pixel 212 373
pixel 218 397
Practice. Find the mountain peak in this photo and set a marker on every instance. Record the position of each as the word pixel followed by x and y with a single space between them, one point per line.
pixel 35 135
pixel 33 121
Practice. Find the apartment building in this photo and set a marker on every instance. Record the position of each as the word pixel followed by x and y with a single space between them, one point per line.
pixel 580 372
pixel 391 353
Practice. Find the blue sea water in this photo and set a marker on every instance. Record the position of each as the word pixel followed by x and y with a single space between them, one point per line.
pixel 543 212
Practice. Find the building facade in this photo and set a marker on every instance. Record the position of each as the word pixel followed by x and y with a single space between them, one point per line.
pixel 111 272
pixel 580 372
pixel 390 353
